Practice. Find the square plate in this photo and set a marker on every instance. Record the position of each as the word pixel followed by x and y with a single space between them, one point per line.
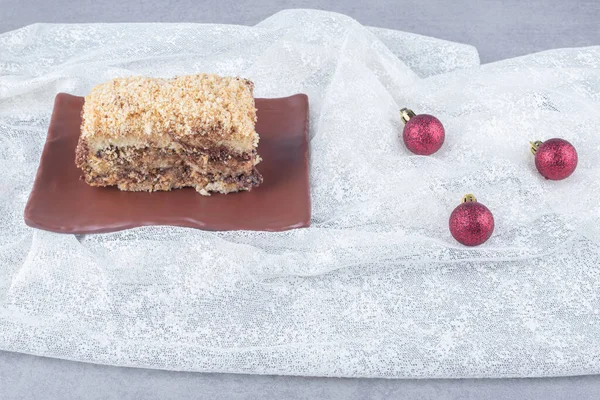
pixel 61 202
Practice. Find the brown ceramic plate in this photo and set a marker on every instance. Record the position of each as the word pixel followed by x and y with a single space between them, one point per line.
pixel 61 202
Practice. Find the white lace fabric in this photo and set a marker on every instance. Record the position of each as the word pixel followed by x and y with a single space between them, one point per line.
pixel 376 287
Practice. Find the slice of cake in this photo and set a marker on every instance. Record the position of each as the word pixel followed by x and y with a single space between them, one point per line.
pixel 149 134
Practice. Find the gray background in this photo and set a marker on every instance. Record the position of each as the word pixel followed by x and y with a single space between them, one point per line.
pixel 499 30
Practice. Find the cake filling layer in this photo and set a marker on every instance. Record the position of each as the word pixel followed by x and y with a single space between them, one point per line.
pixel 175 178
pixel 152 168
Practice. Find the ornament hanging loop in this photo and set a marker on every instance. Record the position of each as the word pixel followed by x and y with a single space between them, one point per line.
pixel 534 146
pixel 406 115
pixel 469 198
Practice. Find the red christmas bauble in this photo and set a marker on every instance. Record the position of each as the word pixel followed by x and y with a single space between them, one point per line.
pixel 423 134
pixel 471 223
pixel 555 159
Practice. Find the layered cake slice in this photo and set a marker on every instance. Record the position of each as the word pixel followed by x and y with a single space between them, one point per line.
pixel 150 134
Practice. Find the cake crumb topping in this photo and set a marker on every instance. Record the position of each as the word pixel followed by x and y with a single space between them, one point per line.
pixel 159 110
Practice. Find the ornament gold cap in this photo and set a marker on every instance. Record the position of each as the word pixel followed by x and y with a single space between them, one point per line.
pixel 534 146
pixel 469 198
pixel 406 115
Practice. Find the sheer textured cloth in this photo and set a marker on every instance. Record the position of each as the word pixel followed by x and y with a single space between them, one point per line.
pixel 376 287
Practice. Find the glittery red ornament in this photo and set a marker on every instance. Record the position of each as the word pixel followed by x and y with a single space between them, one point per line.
pixel 555 159
pixel 471 223
pixel 423 134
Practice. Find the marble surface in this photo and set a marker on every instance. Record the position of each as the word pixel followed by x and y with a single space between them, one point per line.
pixel 29 377
pixel 499 29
